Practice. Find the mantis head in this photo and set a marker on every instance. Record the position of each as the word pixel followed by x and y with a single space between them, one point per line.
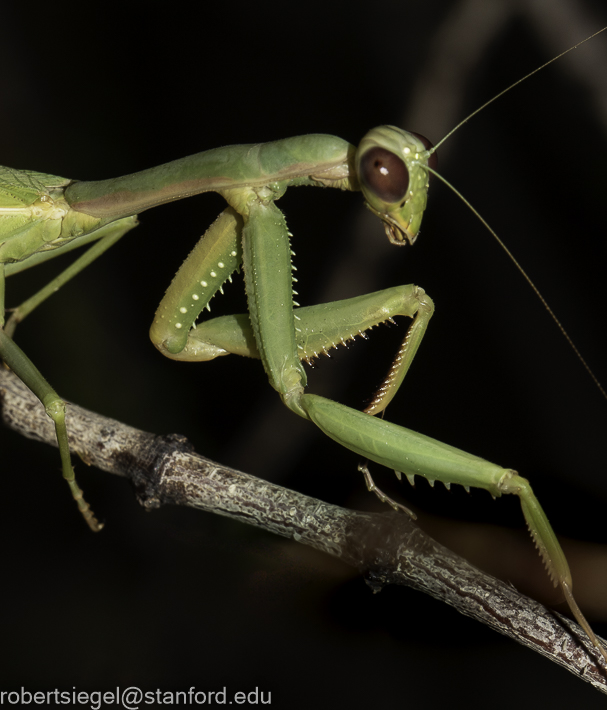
pixel 392 168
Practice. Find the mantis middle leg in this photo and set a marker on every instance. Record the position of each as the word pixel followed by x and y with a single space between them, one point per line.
pixel 104 238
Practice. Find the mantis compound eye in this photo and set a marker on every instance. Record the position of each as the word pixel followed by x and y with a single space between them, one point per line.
pixel 385 174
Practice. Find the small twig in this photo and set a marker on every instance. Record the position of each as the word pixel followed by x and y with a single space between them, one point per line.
pixel 387 548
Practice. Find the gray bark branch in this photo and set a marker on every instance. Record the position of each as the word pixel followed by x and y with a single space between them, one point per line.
pixel 386 548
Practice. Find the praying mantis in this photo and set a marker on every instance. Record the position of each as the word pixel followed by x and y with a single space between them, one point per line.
pixel 42 215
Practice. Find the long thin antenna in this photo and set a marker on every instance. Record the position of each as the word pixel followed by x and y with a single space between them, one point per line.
pixel 525 276
pixel 507 89
pixel 492 231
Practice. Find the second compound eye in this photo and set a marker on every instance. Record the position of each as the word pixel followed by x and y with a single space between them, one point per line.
pixel 385 174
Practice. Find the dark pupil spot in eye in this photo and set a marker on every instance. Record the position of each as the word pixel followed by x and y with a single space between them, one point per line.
pixel 385 174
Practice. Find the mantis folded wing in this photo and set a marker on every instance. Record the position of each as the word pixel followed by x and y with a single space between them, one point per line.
pixel 42 215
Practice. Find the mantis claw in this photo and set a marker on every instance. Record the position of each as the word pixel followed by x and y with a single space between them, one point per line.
pixel 84 507
pixel 372 488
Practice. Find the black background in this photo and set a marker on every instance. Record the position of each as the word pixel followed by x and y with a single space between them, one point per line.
pixel 176 598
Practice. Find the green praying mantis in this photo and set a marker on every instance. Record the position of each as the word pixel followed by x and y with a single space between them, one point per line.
pixel 43 215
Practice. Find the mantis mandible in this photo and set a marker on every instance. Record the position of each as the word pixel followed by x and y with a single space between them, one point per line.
pixel 43 215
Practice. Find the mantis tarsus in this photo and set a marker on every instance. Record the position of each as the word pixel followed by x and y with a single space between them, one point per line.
pixel 43 215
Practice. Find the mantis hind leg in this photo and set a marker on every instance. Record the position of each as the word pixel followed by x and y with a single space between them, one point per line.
pixel 24 368
pixel 27 372
pixel 413 454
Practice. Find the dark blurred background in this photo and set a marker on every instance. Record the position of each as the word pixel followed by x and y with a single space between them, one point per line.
pixel 176 598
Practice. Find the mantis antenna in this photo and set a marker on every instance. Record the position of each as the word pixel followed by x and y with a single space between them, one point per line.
pixel 432 149
pixel 508 88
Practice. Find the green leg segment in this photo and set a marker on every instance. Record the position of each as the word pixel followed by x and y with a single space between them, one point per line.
pixel 27 372
pixel 23 367
pixel 210 264
pixel 414 454
pixel 320 328
pixel 269 285
pixel 106 237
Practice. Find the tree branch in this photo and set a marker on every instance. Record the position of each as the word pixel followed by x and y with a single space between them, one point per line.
pixel 387 548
